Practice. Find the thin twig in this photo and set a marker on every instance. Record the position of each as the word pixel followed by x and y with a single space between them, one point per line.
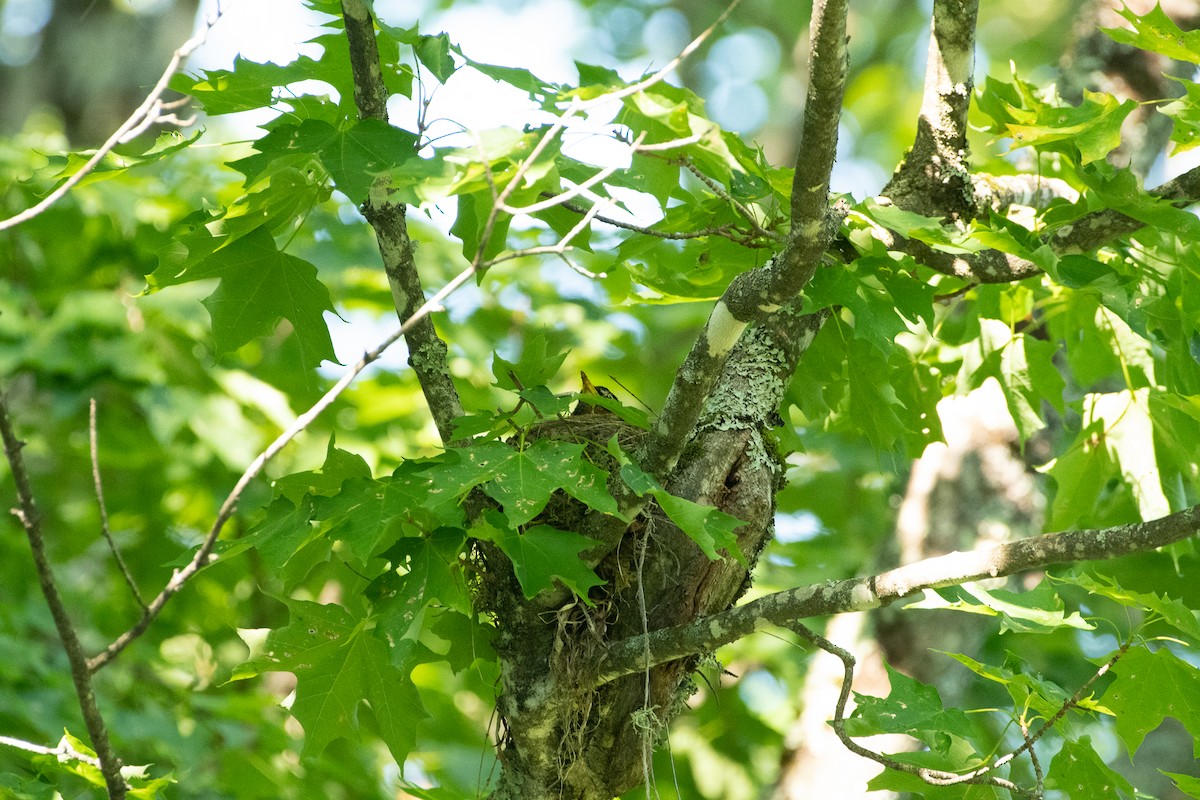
pixel 81 676
pixel 144 116
pixel 948 778
pixel 1038 776
pixel 720 192
pixel 202 556
pixel 63 751
pixel 839 723
pixel 558 249
pixel 104 527
pixel 574 191
pixel 720 230
pixel 576 106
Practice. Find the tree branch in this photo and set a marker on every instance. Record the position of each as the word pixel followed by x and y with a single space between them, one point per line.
pixel 860 594
pixel 1087 233
pixel 63 751
pixel 145 115
pixel 754 295
pixel 81 675
pixel 428 355
pixel 935 777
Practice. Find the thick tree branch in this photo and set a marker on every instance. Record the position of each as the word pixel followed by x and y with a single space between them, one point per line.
pixel 1102 227
pixel 427 352
pixel 754 295
pixel 860 594
pixel 1087 233
pixel 935 175
pixel 81 675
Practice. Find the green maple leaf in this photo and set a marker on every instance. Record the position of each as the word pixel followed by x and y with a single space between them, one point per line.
pixel 1173 612
pixel 339 466
pixel 1037 611
pixel 534 474
pixel 710 528
pixel 338 665
pixel 432 574
pixel 1024 369
pixel 1155 31
pixel 364 512
pixel 354 157
pixel 469 639
pixel 1094 126
pixel 261 285
pixel 1152 686
pixel 541 555
pixel 1043 696
pixel 912 708
pixel 1081 774
pixel 285 530
pixel 463 468
pixel 313 632
pixel 1187 784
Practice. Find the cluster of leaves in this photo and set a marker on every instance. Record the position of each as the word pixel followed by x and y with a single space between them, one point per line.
pixel 373 575
pixel 957 742
pixel 408 535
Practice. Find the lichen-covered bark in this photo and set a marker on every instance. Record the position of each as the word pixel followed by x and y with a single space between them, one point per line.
pixel 427 352
pixel 566 736
pixel 757 294
pixel 861 594
pixel 934 179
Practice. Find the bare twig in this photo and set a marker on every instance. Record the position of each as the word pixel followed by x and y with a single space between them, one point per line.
pixel 574 108
pixel 720 192
pixel 81 675
pixel 561 197
pixel 940 778
pixel 839 726
pixel 64 751
pixel 147 114
pixel 202 556
pixel 720 230
pixel 105 530
pixel 1039 776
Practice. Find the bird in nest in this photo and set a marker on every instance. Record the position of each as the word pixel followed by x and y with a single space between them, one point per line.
pixel 589 389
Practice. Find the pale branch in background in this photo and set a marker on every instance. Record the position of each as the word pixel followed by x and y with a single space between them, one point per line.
pixel 150 112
